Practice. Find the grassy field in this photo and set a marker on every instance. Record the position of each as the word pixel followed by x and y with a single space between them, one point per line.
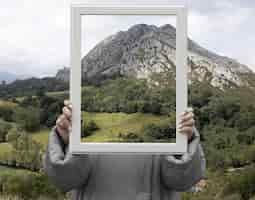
pixel 111 124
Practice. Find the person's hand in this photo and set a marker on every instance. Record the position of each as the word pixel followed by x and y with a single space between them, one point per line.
pixel 186 123
pixel 63 123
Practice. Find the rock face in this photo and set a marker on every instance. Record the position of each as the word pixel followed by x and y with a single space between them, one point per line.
pixel 144 50
pixel 63 74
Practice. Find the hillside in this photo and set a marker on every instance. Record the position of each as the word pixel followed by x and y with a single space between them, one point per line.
pixel 143 50
pixel 129 110
pixel 31 86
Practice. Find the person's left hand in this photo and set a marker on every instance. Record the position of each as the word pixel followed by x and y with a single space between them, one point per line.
pixel 186 123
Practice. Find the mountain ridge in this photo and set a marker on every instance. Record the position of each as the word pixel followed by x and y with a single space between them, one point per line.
pixel 8 77
pixel 143 50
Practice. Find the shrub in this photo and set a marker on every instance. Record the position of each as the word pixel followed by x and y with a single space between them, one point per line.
pixel 88 128
pixel 163 131
pixel 26 153
pixel 27 185
pixel 130 137
pixel 6 112
pixel 4 128
pixel 242 184
pixel 29 118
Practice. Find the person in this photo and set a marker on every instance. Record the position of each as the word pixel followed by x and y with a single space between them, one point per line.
pixel 122 176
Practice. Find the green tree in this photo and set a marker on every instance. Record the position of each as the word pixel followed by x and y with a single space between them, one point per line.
pixel 29 118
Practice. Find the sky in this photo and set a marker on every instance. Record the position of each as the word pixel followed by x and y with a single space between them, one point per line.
pixel 34 35
pixel 113 24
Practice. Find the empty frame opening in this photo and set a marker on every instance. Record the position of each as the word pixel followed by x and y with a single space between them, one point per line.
pixel 128 78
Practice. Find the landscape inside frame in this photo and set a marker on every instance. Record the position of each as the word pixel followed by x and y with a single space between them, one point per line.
pixel 128 79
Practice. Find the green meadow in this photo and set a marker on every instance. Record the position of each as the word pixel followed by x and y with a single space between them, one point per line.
pixel 113 124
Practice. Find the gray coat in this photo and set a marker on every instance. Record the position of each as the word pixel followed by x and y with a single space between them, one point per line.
pixel 123 177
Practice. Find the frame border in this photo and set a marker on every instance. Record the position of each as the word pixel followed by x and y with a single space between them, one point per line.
pixel 77 10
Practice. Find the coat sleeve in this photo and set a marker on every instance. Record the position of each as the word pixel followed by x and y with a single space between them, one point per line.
pixel 65 170
pixel 181 173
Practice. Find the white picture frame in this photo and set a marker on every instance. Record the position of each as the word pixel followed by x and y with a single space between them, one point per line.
pixel 77 10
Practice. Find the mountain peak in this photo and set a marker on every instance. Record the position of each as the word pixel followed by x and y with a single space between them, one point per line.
pixel 143 50
pixel 168 27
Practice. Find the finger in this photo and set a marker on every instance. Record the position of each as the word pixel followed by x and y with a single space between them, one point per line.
pixel 186 111
pixel 60 118
pixel 67 113
pixel 187 123
pixel 186 130
pixel 68 104
pixel 63 122
pixel 189 109
pixel 189 116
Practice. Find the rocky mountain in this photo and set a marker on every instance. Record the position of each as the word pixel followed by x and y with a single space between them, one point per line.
pixel 144 50
pixel 63 74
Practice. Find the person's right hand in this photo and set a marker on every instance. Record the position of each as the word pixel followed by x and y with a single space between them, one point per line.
pixel 63 123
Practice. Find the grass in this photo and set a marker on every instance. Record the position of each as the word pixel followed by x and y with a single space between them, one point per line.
pixel 7 103
pixel 5 148
pixel 111 124
pixel 41 136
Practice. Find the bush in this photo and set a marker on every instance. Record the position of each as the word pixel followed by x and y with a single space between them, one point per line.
pixel 242 184
pixel 50 108
pixel 163 131
pixel 88 128
pixel 27 185
pixel 130 137
pixel 6 112
pixel 29 118
pixel 26 153
pixel 4 128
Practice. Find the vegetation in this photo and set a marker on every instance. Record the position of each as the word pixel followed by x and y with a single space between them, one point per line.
pixel 4 128
pixel 114 126
pixel 88 127
pixel 31 87
pixel 131 110
pixel 128 96
pixel 242 184
pixel 26 185
pixel 25 152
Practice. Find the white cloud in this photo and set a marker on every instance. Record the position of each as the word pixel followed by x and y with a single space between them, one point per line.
pixel 228 33
pixel 34 35
pixel 93 31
